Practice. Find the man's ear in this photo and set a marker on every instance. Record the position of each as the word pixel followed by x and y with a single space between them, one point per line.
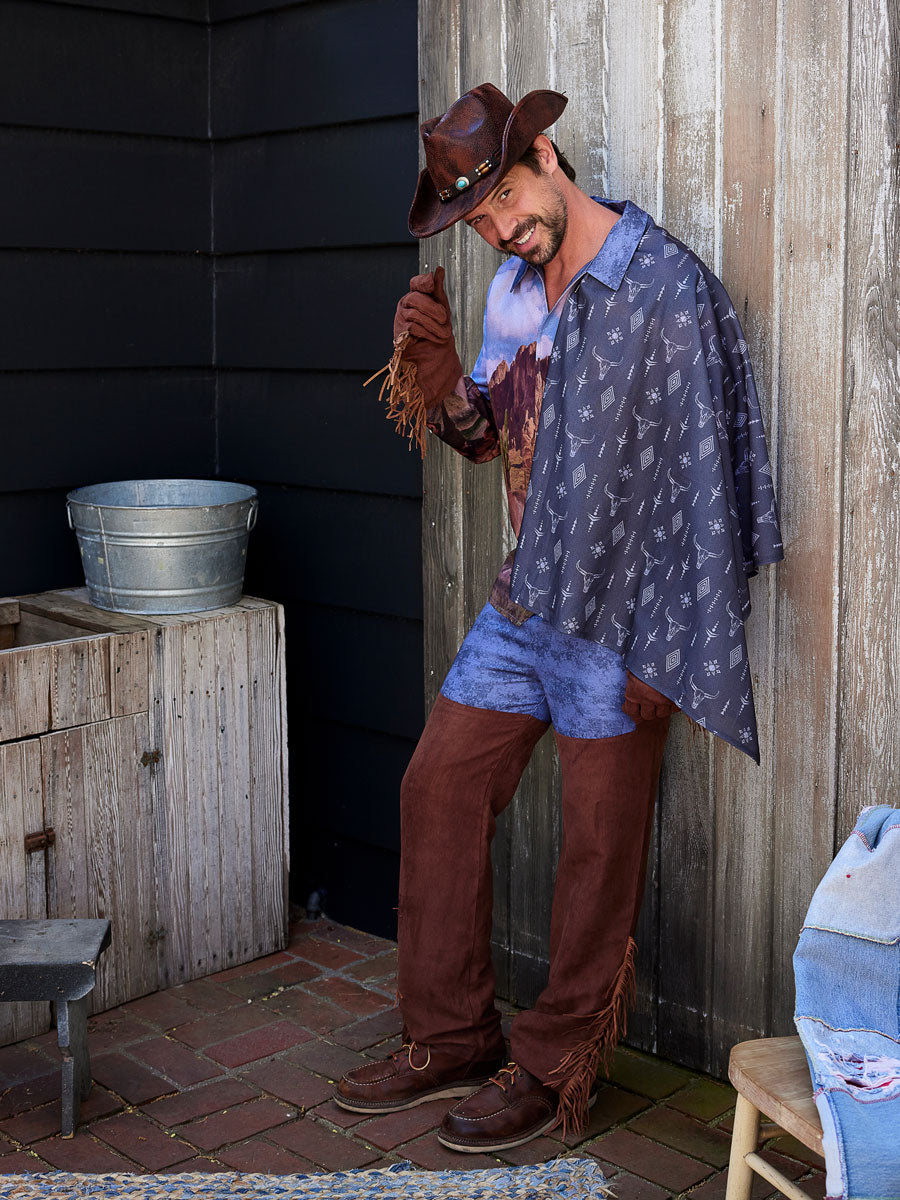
pixel 546 153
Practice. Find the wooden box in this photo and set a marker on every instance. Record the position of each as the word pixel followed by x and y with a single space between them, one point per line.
pixel 155 750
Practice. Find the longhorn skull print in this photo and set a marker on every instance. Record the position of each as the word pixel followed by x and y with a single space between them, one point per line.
pixel 674 627
pixel 534 592
pixel 677 488
pixel 576 442
pixel 606 364
pixel 643 423
pixel 588 576
pixel 703 554
pixel 699 694
pixel 650 560
pixel 615 501
pixel 555 517
pixel 672 348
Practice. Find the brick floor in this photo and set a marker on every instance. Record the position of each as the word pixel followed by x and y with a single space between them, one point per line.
pixel 234 1072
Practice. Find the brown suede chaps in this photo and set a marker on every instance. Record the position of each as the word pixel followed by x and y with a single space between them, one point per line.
pixel 463 774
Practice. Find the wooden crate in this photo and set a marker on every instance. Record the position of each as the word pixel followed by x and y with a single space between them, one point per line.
pixel 155 748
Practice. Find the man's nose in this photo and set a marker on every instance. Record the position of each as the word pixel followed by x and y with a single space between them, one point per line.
pixel 505 227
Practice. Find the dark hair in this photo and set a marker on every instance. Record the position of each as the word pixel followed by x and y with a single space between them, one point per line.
pixel 531 160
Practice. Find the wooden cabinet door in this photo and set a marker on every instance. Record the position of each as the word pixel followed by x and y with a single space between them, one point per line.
pixel 23 877
pixel 99 800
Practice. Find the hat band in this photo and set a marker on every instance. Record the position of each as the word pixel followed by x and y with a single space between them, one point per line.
pixel 466 181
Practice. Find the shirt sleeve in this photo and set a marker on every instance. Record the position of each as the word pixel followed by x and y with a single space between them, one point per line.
pixel 464 421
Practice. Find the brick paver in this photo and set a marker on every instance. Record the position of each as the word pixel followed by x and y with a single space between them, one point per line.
pixel 200 1102
pixel 132 1134
pixel 233 1072
pixel 650 1161
pixel 262 1156
pixel 349 995
pixel 175 1061
pixel 289 1082
pixel 326 1058
pixel 704 1099
pixel 128 1078
pixel 258 1043
pixel 683 1133
pixel 233 1124
pixel 368 1032
pixel 323 1145
pixel 326 954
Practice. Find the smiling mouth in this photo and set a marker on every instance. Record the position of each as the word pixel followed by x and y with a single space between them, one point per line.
pixel 525 237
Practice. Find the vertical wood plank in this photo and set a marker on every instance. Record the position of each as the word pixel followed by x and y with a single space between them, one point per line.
pixel 230 804
pixel 812 210
pixel 198 687
pixel 79 682
pixel 870 597
pixel 129 678
pixel 266 810
pixel 743 849
pixel 689 78
pixel 442 476
pixel 24 692
pixel 172 824
pixel 636 137
pixel 23 885
pixel 636 129
pixel 100 799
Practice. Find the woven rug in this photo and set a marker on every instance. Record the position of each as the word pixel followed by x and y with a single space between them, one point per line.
pixel 562 1179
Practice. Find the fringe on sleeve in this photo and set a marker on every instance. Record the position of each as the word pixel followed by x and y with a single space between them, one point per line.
pixel 405 399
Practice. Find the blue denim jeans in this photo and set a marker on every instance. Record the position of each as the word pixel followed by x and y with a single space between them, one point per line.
pixel 847 971
pixel 533 669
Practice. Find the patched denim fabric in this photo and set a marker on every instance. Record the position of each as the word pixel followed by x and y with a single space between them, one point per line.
pixel 847 972
pixel 534 669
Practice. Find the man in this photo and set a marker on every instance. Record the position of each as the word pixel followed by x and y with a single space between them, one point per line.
pixel 614 384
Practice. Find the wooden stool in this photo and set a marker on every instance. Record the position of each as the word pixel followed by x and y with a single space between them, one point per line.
pixel 57 960
pixel 772 1077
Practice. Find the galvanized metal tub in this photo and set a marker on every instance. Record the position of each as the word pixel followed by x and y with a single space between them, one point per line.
pixel 163 545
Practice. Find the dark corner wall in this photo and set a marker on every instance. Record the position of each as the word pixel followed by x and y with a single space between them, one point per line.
pixel 202 238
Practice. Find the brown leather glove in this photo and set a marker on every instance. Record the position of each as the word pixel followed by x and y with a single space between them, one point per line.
pixel 644 703
pixel 424 314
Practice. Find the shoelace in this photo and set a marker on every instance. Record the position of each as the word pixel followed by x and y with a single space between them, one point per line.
pixel 512 1071
pixel 409 1047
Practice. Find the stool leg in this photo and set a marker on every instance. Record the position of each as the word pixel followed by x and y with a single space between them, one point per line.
pixel 71 1032
pixel 744 1139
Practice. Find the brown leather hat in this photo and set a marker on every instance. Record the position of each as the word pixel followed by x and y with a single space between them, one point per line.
pixel 469 149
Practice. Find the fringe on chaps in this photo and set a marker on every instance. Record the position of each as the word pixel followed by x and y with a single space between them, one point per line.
pixel 405 399
pixel 575 1075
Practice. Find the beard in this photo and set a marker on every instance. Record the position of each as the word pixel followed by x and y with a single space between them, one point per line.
pixel 554 222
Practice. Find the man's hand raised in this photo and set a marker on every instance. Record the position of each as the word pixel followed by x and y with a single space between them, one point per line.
pixel 424 314
pixel 425 311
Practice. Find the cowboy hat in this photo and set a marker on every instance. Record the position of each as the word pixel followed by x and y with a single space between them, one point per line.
pixel 469 149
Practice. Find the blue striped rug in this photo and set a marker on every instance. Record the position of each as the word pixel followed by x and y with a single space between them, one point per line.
pixel 562 1179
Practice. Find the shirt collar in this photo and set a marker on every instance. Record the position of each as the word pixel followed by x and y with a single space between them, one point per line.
pixel 611 261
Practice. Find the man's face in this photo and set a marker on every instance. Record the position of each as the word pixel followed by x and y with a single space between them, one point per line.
pixel 524 215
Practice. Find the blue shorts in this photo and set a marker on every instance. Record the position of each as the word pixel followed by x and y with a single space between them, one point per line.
pixel 575 684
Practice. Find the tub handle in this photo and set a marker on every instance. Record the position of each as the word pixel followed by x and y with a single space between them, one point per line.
pixel 69 515
pixel 251 515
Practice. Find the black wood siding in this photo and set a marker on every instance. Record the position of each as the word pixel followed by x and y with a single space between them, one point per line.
pixel 314 121
pixel 202 239
pixel 105 311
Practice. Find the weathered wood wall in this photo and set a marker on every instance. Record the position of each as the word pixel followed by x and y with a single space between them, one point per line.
pixel 766 136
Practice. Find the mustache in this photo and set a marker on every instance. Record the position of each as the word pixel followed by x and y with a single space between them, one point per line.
pixel 520 231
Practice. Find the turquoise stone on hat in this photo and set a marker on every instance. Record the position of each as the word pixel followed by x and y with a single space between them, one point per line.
pixel 462 182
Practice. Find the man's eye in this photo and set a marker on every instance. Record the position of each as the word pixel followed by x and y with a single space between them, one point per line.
pixel 504 193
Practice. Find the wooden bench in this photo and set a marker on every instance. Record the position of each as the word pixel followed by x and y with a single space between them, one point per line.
pixel 57 961
pixel 771 1076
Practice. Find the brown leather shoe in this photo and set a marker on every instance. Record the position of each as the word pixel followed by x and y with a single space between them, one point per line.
pixel 412 1075
pixel 511 1109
